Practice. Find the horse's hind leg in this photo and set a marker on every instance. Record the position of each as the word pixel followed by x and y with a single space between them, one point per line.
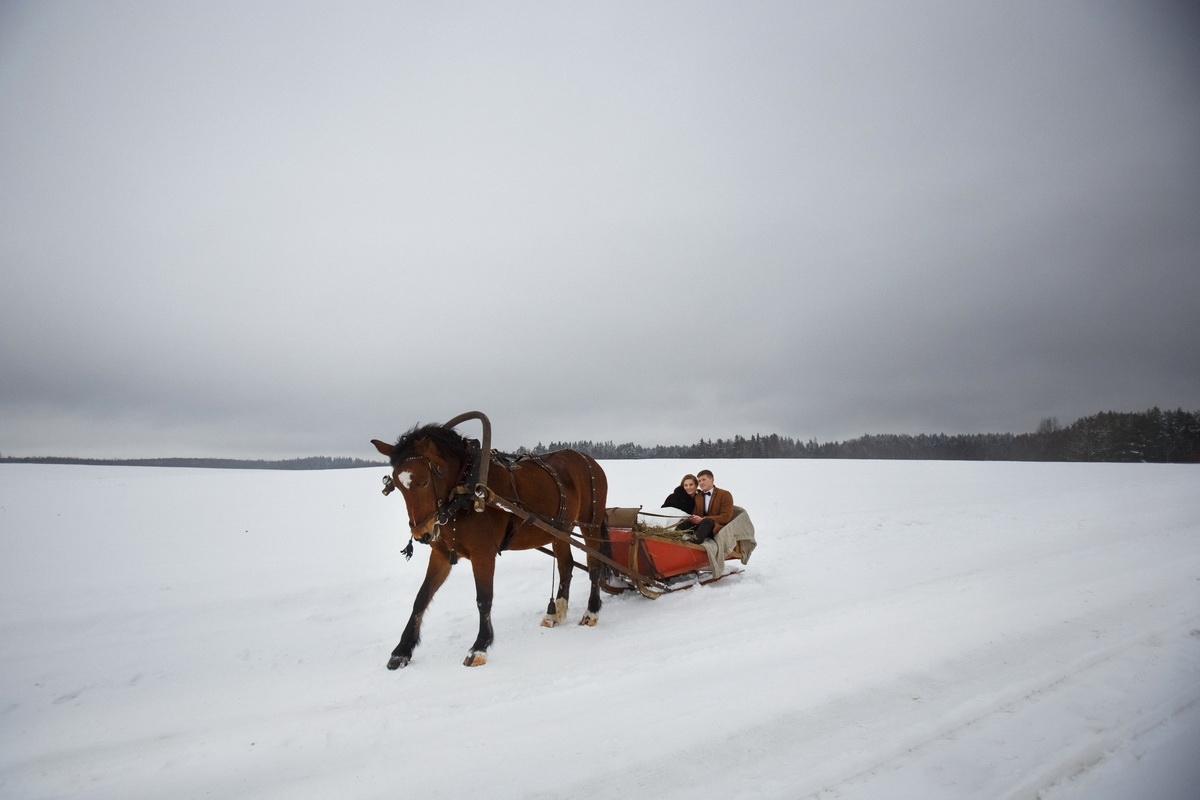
pixel 592 615
pixel 484 567
pixel 435 575
pixel 556 611
pixel 597 571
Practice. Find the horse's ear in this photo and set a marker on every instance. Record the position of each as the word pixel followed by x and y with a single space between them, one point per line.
pixel 383 447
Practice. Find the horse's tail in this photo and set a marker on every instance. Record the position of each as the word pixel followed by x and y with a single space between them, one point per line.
pixel 601 571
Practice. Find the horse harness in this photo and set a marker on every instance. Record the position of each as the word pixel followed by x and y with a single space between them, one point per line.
pixel 466 491
pixel 481 496
pixel 509 464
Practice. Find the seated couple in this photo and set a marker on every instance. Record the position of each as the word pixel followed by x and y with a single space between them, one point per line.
pixel 710 508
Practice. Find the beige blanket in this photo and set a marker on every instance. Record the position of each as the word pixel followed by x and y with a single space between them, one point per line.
pixel 740 529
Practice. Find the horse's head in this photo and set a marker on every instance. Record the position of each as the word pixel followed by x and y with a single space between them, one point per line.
pixel 427 463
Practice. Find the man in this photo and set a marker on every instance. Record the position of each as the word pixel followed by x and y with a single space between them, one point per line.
pixel 713 509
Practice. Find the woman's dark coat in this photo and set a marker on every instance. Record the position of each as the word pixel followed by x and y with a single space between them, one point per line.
pixel 681 500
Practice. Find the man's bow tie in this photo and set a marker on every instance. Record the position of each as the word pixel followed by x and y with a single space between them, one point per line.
pixel 708 493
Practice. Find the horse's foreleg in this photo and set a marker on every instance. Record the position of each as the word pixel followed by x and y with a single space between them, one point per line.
pixel 484 568
pixel 556 611
pixel 435 576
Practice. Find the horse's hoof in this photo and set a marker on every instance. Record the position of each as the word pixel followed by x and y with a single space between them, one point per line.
pixel 475 659
pixel 556 614
pixel 396 662
pixel 589 619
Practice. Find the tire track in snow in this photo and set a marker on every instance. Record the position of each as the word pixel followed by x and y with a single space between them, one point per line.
pixel 1036 727
pixel 919 717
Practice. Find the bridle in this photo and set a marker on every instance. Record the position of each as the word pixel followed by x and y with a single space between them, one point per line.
pixel 448 501
pixel 435 473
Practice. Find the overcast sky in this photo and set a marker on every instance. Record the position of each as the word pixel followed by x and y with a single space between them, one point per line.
pixel 282 229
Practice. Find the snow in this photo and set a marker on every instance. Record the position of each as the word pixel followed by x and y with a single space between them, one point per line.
pixel 904 629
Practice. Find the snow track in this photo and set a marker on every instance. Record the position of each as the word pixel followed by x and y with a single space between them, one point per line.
pixel 933 630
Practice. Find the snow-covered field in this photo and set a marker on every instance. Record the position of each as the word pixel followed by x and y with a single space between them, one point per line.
pixel 904 630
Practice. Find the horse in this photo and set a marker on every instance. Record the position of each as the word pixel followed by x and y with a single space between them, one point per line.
pixel 433 465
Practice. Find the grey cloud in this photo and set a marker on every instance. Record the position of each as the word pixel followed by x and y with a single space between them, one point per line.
pixel 282 228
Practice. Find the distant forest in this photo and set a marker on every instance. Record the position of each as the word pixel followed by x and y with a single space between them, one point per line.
pixel 1153 436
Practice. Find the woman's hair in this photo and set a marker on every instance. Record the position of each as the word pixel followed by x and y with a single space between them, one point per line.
pixel 688 477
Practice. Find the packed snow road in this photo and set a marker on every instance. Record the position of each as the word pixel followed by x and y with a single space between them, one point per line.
pixel 905 629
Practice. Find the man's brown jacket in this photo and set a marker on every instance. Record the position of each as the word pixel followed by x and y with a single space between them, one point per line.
pixel 720 507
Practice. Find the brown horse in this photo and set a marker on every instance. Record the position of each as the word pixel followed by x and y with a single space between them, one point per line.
pixel 434 467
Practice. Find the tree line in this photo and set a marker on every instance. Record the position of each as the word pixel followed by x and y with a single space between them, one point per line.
pixel 1153 436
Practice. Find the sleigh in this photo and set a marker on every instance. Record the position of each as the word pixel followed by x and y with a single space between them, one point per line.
pixel 658 555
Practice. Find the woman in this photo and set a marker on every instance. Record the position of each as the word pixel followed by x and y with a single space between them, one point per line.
pixel 684 496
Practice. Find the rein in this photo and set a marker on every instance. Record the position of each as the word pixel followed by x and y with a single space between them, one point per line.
pixel 680 515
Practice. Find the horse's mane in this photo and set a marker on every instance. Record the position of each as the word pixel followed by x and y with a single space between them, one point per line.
pixel 447 440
